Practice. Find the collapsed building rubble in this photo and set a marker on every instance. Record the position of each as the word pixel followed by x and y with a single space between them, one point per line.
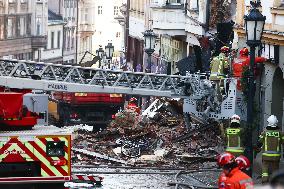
pixel 156 138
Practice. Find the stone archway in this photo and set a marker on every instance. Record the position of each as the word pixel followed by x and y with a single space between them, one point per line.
pixel 278 95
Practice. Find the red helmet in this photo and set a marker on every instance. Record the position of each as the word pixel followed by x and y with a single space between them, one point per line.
pixel 225 158
pixel 133 99
pixel 225 49
pixel 244 51
pixel 243 162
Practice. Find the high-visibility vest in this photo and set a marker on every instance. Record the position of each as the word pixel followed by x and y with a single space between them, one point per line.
pixel 272 141
pixel 217 65
pixel 234 140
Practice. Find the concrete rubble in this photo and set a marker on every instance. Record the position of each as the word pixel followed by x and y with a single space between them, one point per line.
pixel 161 140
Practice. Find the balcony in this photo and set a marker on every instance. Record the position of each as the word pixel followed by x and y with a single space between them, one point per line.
pixel 168 18
pixel 86 28
pixel 38 41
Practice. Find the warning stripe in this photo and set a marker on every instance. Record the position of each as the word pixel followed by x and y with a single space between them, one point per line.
pixel 40 148
pixel 35 151
pixel 26 150
pixel 45 170
pixel 44 161
pixel 43 141
pixel 87 178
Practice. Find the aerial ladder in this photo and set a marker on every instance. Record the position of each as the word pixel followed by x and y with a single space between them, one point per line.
pixel 199 93
pixel 43 154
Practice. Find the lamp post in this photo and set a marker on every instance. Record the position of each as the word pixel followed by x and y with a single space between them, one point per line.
pixel 109 49
pixel 254 25
pixel 100 53
pixel 149 44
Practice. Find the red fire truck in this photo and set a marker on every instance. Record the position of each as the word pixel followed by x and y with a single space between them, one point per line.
pixel 35 158
pixel 85 108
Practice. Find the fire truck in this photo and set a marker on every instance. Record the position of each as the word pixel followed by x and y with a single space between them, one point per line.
pixel 85 108
pixel 40 157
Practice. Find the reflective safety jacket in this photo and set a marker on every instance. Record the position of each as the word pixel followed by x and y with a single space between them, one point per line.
pixel 236 179
pixel 234 144
pixel 271 144
pixel 217 66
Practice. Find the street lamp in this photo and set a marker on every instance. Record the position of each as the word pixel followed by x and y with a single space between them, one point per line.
pixel 109 53
pixel 254 25
pixel 149 44
pixel 100 53
pixel 109 50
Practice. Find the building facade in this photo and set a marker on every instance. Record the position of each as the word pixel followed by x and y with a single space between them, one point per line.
pixel 86 30
pixel 23 28
pixel 139 21
pixel 68 9
pixel 107 27
pixel 270 94
pixel 53 51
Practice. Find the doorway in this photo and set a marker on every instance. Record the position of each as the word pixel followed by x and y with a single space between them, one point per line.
pixel 277 96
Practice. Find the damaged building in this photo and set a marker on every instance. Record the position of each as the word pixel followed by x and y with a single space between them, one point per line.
pixel 189 33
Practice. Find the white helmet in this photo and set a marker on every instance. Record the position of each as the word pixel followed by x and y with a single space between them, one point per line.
pixel 272 121
pixel 235 119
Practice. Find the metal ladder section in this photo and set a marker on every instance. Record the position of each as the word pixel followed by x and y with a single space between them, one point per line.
pixel 56 77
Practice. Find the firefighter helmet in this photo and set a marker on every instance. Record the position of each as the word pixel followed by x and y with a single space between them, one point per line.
pixel 225 49
pixel 225 158
pixel 244 51
pixel 272 121
pixel 243 162
pixel 235 119
pixel 133 99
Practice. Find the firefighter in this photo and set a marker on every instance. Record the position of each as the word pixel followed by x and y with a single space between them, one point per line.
pixel 133 105
pixel 233 136
pixel 219 65
pixel 243 61
pixel 232 177
pixel 270 142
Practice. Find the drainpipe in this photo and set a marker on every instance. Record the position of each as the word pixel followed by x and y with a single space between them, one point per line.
pixel 127 29
pixel 77 31
pixel 207 15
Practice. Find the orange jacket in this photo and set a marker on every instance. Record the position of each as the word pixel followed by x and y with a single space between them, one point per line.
pixel 240 63
pixel 236 179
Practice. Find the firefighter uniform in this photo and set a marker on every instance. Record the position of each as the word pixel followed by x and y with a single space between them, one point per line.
pixel 237 179
pixel 271 141
pixel 233 136
pixel 232 177
pixel 218 66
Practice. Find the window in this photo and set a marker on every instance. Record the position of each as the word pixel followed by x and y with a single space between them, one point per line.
pixel 117 34
pixel 72 38
pixel 1 28
pixel 58 39
pixel 86 15
pixel 175 1
pixel 52 40
pixel 68 39
pixel 23 27
pixel 100 9
pixel 38 26
pixel 115 10
pixel 11 27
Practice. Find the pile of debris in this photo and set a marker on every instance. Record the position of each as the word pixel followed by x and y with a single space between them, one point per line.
pixel 158 137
